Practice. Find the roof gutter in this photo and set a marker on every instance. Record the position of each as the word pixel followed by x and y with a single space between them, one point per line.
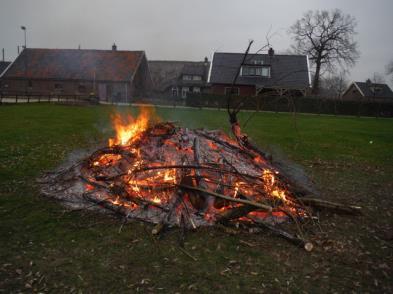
pixel 137 66
pixel 308 71
pixel 210 68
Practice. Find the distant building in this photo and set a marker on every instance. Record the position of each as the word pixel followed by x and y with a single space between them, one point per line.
pixel 260 73
pixel 111 75
pixel 368 92
pixel 178 78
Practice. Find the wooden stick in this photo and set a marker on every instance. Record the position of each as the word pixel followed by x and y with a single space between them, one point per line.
pixel 338 207
pixel 226 144
pixel 117 209
pixel 158 228
pixel 248 202
pixel 308 246
pixel 177 166
pixel 187 253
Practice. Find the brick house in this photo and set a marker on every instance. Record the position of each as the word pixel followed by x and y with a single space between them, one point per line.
pixel 260 73
pixel 111 75
pixel 178 78
pixel 368 92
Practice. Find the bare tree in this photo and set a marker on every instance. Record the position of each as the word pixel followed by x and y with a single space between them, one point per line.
pixel 327 38
pixel 389 69
pixel 335 84
pixel 377 78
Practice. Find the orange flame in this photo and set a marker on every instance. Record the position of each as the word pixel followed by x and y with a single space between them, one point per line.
pixel 272 187
pixel 128 128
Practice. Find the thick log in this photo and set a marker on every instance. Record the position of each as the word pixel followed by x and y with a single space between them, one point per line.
pixel 158 228
pixel 234 213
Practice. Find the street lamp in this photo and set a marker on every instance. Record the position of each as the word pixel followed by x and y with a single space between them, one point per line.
pixel 24 29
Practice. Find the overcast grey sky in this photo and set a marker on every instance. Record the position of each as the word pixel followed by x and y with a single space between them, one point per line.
pixel 187 30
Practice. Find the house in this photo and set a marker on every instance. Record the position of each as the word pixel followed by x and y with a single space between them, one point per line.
pixel 178 78
pixel 368 92
pixel 111 75
pixel 260 73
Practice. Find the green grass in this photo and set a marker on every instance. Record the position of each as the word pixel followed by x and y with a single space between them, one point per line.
pixel 43 248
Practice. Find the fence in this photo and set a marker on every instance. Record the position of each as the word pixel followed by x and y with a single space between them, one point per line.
pixel 317 105
pixel 28 97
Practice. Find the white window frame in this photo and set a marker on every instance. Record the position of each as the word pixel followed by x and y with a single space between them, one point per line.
pixel 196 78
pixel 196 90
pixel 184 92
pixel 187 78
pixel 176 91
pixel 256 71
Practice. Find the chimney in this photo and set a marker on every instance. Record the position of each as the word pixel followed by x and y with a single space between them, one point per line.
pixel 114 47
pixel 271 52
pixel 3 54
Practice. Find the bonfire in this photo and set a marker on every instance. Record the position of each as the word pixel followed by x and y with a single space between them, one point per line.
pixel 172 176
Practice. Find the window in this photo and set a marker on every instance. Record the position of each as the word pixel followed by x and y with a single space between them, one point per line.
pixel 175 91
pixel 81 88
pixel 375 89
pixel 196 78
pixel 196 90
pixel 260 62
pixel 184 92
pixel 235 91
pixel 30 84
pixel 262 71
pixel 187 77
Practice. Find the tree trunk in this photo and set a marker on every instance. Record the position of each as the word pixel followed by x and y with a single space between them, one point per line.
pixel 315 86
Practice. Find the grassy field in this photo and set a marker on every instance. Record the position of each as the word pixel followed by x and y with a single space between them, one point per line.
pixel 44 248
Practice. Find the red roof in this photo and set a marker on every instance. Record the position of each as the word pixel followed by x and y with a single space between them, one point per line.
pixel 75 64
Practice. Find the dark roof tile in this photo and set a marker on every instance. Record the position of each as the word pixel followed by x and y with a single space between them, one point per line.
pixel 3 66
pixel 286 70
pixel 75 64
pixel 375 90
pixel 168 73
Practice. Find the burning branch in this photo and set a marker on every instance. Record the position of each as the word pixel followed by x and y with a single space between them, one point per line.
pixel 172 176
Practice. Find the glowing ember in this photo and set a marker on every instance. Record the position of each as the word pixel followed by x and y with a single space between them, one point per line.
pixel 172 176
pixel 160 172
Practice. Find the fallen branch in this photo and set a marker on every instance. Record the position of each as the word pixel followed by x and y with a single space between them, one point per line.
pixel 247 202
pixel 308 246
pixel 337 207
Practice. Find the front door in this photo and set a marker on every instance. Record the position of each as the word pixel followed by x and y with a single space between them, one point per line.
pixel 102 92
